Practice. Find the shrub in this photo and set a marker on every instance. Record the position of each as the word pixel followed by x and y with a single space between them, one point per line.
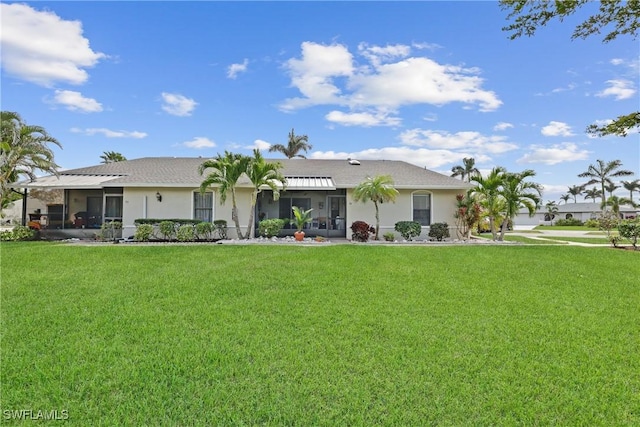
pixel 361 231
pixel 156 221
pixel 167 229
pixel 270 227
pixel 408 229
pixel 110 230
pixel 630 230
pixel 439 231
pixel 569 222
pixel 607 222
pixel 592 223
pixel 204 230
pixel 143 232
pixel 19 232
pixel 389 237
pixel 186 233
pixel 220 226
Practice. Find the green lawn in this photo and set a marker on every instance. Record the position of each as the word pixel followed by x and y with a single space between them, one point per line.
pixel 321 335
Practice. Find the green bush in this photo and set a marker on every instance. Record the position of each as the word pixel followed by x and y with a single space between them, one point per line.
pixel 186 233
pixel 592 223
pixel 204 230
pixel 568 222
pixel 408 229
pixel 270 227
pixel 630 230
pixel 143 232
pixel 19 232
pixel 439 231
pixel 157 221
pixel 111 230
pixel 220 226
pixel 389 236
pixel 167 229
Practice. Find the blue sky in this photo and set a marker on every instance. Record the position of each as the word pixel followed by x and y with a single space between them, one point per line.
pixel 425 82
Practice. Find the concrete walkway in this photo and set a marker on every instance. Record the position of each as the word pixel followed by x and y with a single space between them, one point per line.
pixel 548 236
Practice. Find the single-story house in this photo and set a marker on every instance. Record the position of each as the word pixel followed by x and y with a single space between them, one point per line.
pixel 168 187
pixel 580 211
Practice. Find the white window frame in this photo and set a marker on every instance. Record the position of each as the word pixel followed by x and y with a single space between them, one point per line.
pixel 423 193
pixel 213 204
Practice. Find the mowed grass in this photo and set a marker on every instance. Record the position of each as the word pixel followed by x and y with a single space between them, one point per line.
pixel 322 335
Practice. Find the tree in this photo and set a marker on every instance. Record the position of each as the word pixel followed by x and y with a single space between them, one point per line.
pixel 631 186
pixel 296 144
pixel 614 17
pixel 601 173
pixel 517 194
pixel 565 198
pixel 467 169
pixel 112 157
pixel 226 171
pixel 263 174
pixel 378 189
pixel 575 191
pixel 487 192
pixel 615 202
pixel 552 210
pixel 592 193
pixel 467 214
pixel 24 150
pixel 611 187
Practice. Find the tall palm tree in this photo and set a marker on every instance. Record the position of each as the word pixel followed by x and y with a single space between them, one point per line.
pixel 487 192
pixel 602 172
pixel 592 193
pixel 552 210
pixel 226 171
pixel 263 174
pixel 518 194
pixel 466 170
pixel 631 186
pixel 378 189
pixel 565 198
pixel 24 150
pixel 112 157
pixel 610 187
pixel 295 144
pixel 575 191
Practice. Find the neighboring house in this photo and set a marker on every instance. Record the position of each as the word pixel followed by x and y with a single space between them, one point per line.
pixel 165 188
pixel 579 211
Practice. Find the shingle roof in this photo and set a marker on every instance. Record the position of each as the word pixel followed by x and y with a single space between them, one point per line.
pixel 183 171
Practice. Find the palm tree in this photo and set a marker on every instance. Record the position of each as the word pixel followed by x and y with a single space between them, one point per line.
pixel 552 210
pixel 487 192
pixel 466 170
pixel 518 194
pixel 263 174
pixel 296 144
pixel 611 187
pixel 615 202
pixel 602 172
pixel 575 191
pixel 378 189
pixel 631 186
pixel 112 157
pixel 593 193
pixel 24 150
pixel 226 171
pixel 565 198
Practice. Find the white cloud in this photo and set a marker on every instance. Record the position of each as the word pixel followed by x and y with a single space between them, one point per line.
pixel 178 105
pixel 235 69
pixel 42 48
pixel 259 144
pixel 111 133
pixel 74 101
pixel 418 156
pixel 362 119
pixel 559 153
pixel 557 129
pixel 619 89
pixel 328 75
pixel 199 142
pixel 468 140
pixel 502 126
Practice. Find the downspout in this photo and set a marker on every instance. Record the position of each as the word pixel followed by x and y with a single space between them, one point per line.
pixel 24 207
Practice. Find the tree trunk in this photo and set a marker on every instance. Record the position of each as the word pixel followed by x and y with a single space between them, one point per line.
pixel 503 228
pixel 492 222
pixel 377 220
pixel 234 215
pixel 254 199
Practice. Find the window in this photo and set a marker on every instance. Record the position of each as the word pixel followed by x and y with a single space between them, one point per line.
pixel 286 204
pixel 203 206
pixel 568 216
pixel 422 208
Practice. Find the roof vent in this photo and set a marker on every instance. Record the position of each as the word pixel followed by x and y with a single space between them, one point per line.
pixel 354 162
